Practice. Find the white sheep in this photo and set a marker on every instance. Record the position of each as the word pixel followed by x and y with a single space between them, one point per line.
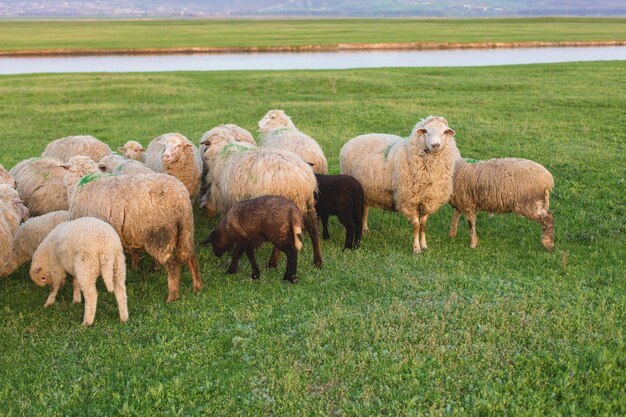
pixel 85 248
pixel 150 212
pixel 278 131
pixel 65 148
pixel 30 234
pixel 174 154
pixel 133 150
pixel 412 176
pixel 12 212
pixel 244 171
pixel 6 178
pixel 40 185
pixel 506 185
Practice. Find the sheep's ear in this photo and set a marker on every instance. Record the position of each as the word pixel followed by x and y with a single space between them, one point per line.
pixel 37 270
pixel 187 145
pixel 420 131
pixel 142 150
pixel 310 163
pixel 121 149
pixel 65 166
pixel 102 167
pixel 206 142
pixel 450 132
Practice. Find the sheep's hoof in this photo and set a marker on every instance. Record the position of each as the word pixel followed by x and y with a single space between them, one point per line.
pixel 325 237
pixel 255 275
pixel 231 271
pixel 171 298
pixel 417 251
pixel 317 263
pixel 452 234
pixel 48 304
pixel 77 301
pixel 272 265
pixel 548 244
pixel 87 323
pixel 291 280
pixel 124 320
pixel 197 288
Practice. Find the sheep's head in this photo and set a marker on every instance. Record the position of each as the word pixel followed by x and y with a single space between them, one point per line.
pixel 274 119
pixel 435 133
pixel 220 241
pixel 9 194
pixel 77 168
pixel 6 178
pixel 175 146
pixel 39 274
pixel 133 150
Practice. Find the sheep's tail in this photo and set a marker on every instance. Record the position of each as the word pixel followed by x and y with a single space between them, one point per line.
pixel 546 199
pixel 107 268
pixel 296 221
pixel 185 248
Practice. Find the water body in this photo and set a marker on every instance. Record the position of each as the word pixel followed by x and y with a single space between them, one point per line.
pixel 309 60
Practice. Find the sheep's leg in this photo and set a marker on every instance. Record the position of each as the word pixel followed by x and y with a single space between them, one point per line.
pixel 547 231
pixel 348 224
pixel 173 278
pixel 196 279
pixel 455 222
pixel 53 294
pixel 274 258
pixel 91 300
pixel 155 265
pixel 324 219
pixel 415 222
pixel 471 221
pixel 292 265
pixel 234 263
pixel 366 211
pixel 76 296
pixel 310 222
pixel 119 290
pixel 423 220
pixel 256 272
pixel 357 219
pixel 134 259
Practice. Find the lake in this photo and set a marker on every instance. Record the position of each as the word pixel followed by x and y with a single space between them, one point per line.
pixel 308 60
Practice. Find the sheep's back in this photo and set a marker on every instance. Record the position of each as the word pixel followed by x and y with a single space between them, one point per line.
pixel 266 171
pixel 299 143
pixel 369 159
pixel 500 185
pixel 65 148
pixel 40 185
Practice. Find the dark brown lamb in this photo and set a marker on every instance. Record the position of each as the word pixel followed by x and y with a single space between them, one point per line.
pixel 250 223
pixel 342 196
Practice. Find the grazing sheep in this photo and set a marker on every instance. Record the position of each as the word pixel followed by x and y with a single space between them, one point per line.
pixel 412 176
pixel 40 184
pixel 133 150
pixel 12 212
pixel 118 165
pixel 278 131
pixel 65 148
pixel 174 154
pixel 250 223
pixel 341 195
pixel 85 248
pixel 506 185
pixel 30 234
pixel 6 178
pixel 246 173
pixel 150 212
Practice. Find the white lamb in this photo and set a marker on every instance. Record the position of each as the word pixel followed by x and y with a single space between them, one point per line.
pixel 85 248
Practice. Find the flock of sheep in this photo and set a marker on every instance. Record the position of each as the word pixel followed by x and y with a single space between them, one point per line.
pixel 89 205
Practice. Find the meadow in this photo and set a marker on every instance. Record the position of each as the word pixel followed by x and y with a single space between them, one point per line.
pixel 137 34
pixel 505 329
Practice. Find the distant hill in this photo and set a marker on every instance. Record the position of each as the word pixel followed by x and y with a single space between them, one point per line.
pixel 311 8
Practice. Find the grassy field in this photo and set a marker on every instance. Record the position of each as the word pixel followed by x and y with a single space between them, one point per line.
pixel 37 35
pixel 506 329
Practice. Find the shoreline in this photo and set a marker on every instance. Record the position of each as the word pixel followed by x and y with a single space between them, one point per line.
pixel 307 48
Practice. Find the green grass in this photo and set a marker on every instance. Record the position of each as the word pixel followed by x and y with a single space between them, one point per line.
pixel 506 329
pixel 36 35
